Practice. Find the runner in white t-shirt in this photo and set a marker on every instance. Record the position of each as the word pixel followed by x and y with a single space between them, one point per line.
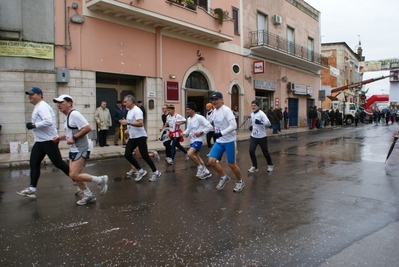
pixel 197 128
pixel 137 138
pixel 76 130
pixel 44 128
pixel 173 122
pixel 224 137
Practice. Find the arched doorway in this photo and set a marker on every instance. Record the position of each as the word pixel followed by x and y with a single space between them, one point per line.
pixel 197 90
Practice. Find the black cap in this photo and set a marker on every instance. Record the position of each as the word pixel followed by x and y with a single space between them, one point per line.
pixel 191 105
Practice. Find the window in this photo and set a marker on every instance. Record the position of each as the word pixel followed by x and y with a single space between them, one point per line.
pixel 262 29
pixel 236 69
pixel 236 22
pixel 310 49
pixel 290 40
pixel 202 3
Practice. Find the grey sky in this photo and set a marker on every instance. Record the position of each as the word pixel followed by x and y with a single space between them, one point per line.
pixel 376 21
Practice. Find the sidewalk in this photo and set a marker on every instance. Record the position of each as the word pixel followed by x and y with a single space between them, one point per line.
pixel 22 160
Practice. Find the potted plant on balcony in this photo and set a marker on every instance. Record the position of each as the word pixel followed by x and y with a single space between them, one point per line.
pixel 220 14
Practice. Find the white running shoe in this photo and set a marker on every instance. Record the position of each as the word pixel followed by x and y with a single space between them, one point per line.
pixel 86 200
pixel 270 168
pixel 205 174
pixel 155 176
pixel 222 183
pixel 27 193
pixel 156 156
pixel 140 174
pixel 131 172
pixel 103 185
pixel 239 186
pixel 252 169
pixel 200 171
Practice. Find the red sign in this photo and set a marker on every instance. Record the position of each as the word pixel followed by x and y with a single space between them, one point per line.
pixel 172 91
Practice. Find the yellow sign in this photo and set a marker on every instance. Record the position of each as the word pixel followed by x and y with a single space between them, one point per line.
pixel 26 49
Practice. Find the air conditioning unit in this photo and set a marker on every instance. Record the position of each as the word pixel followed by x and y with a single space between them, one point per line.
pixel 277 20
pixel 290 87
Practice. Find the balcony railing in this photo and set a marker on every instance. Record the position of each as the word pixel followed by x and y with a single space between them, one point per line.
pixel 198 23
pixel 265 38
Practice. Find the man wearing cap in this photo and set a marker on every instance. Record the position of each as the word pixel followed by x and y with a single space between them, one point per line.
pixel 259 122
pixel 224 137
pixel 137 139
pixel 44 129
pixel 119 113
pixel 76 130
pixel 104 121
pixel 173 122
pixel 209 117
pixel 197 128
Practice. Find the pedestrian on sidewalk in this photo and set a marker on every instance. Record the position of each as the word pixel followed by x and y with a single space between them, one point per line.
pixel 173 122
pixel 44 129
pixel 119 113
pixel 275 120
pixel 137 138
pixel 140 105
pixel 259 122
pixel 104 121
pixel 76 130
pixel 286 117
pixel 224 137
pixel 197 128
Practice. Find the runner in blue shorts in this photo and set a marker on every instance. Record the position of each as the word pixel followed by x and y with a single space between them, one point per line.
pixel 224 136
pixel 197 128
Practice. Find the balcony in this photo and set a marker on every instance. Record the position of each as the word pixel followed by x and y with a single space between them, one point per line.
pixel 197 24
pixel 276 48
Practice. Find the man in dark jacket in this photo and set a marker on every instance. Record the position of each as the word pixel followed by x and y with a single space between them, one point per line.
pixel 310 117
pixel 338 117
pixel 332 117
pixel 119 114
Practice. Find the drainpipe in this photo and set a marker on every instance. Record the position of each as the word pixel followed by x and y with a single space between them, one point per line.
pixel 65 33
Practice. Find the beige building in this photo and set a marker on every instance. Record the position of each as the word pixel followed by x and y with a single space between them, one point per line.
pixel 165 51
pixel 343 70
pixel 285 37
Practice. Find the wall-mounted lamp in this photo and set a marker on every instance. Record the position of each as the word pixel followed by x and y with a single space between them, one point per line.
pixel 171 76
pixel 283 79
pixel 248 78
pixel 75 5
pixel 76 18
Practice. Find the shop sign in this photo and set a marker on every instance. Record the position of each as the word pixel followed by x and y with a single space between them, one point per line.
pixel 172 91
pixel 300 89
pixel 259 67
pixel 264 85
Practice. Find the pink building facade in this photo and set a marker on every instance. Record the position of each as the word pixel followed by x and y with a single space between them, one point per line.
pixel 165 51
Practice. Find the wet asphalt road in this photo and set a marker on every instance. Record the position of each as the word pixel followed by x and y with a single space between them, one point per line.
pixel 330 190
